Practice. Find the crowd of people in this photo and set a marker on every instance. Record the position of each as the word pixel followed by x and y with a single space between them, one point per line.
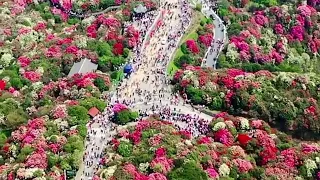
pixel 100 133
pixel 148 82
pixel 190 122
pixel 147 89
pixel 101 129
pixel 210 10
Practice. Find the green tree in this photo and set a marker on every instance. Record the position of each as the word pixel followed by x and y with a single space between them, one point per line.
pixel 125 149
pixel 80 113
pixel 82 129
pixel 126 52
pixel 16 118
pixel 65 165
pixel 75 142
pixel 75 159
pixel 188 171
pixel 101 84
pixel 104 49
pixel 195 95
pixel 73 21
pixel 234 29
pixel 93 102
pixel 3 139
pixel 125 116
pixel 184 59
pixel 184 48
pixel 106 3
pixel 27 150
pixel 116 62
pixel 38 173
pixel 16 83
pixel 267 2
pixel 52 129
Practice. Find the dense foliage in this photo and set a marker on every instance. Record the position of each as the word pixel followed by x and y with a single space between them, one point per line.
pixel 44 112
pixel 235 148
pixel 288 100
pixel 123 115
pixel 271 35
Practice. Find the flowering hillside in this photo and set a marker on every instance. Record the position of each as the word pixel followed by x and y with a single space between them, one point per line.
pixel 288 100
pixel 44 113
pixel 234 148
pixel 279 37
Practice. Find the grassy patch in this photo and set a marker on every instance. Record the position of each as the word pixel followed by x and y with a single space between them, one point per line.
pixel 172 68
pixel 193 36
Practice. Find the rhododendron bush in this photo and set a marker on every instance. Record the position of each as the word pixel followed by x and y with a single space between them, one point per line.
pixel 122 114
pixel 277 38
pixel 287 100
pixel 235 147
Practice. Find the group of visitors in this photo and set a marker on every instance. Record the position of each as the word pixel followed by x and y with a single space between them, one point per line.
pixel 100 133
pixel 149 83
pixel 190 122
pixel 101 129
pixel 147 90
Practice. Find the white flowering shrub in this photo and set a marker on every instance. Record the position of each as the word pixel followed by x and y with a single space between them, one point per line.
pixel 218 126
pixel 232 53
pixel 6 59
pixel 224 170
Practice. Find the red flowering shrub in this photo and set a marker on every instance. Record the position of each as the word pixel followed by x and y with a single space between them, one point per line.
pixel 117 49
pixel 192 46
pixel 224 136
pixel 243 139
pixel 2 84
pixel 206 39
pixel 92 31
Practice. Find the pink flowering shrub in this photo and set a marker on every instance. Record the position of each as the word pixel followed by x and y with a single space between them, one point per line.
pixel 163 163
pixel 224 136
pixel 293 29
pixel 243 165
pixel 133 36
pixel 206 39
pixel 212 173
pixel 60 112
pixel 157 176
pixel 260 152
pixel 297 32
pixel 24 61
pixel 119 107
pixel 261 20
pixel 278 28
pixel 32 76
pixel 54 52
pixel 38 160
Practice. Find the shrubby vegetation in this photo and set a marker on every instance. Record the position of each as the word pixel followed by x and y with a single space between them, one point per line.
pixel 273 35
pixel 44 113
pixel 235 147
pixel 288 100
